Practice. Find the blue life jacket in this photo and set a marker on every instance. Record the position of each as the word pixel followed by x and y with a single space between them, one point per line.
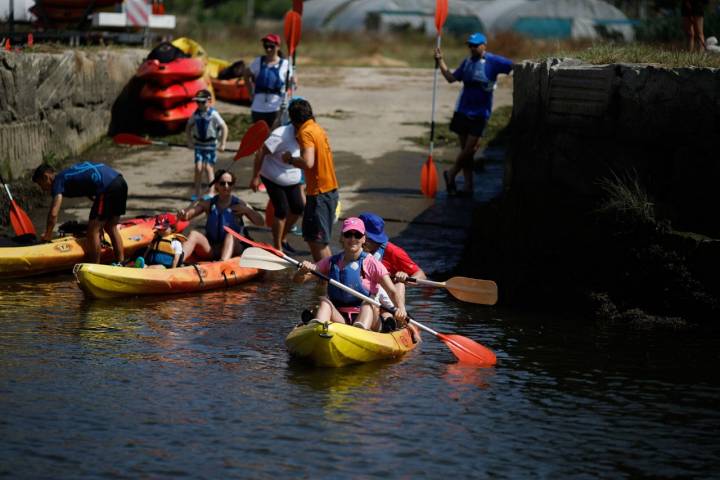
pixel 218 219
pixel 268 78
pixel 351 276
pixel 203 130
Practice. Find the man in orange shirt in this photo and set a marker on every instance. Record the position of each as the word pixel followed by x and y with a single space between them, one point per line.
pixel 322 187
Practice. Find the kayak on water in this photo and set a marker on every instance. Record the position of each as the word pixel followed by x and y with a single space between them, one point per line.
pixel 106 281
pixel 64 252
pixel 332 344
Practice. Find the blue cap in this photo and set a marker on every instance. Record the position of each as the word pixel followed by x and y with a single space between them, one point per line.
pixel 477 39
pixel 374 227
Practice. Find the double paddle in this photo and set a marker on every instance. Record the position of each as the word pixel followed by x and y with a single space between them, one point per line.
pixel 268 258
pixel 21 223
pixel 428 174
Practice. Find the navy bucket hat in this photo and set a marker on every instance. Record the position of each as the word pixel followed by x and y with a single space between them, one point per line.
pixel 374 227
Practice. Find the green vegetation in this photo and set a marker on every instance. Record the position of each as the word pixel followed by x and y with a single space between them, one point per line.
pixel 601 54
pixel 627 200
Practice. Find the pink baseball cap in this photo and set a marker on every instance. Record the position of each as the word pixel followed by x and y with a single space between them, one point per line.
pixel 272 38
pixel 353 223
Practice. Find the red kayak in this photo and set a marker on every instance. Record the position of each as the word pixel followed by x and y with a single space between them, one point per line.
pixel 232 90
pixel 172 95
pixel 171 119
pixel 178 70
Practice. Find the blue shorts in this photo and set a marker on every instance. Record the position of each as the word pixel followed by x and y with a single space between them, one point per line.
pixel 205 156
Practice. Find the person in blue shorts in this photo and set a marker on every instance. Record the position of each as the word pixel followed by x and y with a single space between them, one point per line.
pixel 202 131
pixel 105 186
pixel 478 73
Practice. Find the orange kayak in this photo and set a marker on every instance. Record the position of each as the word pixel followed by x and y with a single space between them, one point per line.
pixel 171 95
pixel 105 281
pixel 62 253
pixel 172 119
pixel 178 70
pixel 233 90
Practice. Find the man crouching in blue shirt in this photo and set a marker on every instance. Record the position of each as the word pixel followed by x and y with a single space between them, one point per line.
pixel 478 73
pixel 103 185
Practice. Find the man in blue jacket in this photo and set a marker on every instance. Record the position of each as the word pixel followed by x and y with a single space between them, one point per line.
pixel 478 73
pixel 103 185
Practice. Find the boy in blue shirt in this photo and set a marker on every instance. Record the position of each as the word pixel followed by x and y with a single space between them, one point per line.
pixel 478 73
pixel 103 185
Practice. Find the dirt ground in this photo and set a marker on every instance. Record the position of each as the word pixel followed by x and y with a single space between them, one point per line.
pixel 368 113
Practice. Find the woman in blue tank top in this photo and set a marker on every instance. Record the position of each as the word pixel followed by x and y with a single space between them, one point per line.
pixel 224 209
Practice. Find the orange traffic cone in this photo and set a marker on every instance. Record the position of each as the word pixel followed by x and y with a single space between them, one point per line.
pixel 30 40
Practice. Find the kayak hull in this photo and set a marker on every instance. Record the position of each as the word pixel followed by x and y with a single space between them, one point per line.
pixel 164 74
pixel 172 95
pixel 170 119
pixel 105 281
pixel 233 90
pixel 330 344
pixel 62 253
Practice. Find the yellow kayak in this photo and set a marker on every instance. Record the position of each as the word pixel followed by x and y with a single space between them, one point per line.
pixel 105 281
pixel 62 253
pixel 330 344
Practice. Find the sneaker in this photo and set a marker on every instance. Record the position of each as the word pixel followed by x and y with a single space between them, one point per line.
pixel 296 230
pixel 449 184
pixel 306 316
pixel 116 264
pixel 287 248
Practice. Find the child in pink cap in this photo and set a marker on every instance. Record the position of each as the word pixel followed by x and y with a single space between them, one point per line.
pixel 358 270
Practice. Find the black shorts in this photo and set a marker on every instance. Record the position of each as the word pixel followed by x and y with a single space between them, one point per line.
pixel 319 216
pixel 269 117
pixel 284 198
pixel 464 125
pixel 112 202
pixel 692 8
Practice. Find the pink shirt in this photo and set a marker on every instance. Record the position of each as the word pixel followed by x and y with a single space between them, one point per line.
pixel 374 271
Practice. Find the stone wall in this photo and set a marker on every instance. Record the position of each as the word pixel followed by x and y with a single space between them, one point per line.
pixel 549 241
pixel 57 104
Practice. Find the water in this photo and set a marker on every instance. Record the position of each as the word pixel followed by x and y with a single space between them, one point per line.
pixel 201 386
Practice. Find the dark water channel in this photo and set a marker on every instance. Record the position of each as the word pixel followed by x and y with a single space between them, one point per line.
pixel 201 387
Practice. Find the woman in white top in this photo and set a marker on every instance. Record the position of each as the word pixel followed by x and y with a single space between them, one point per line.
pixel 267 79
pixel 282 181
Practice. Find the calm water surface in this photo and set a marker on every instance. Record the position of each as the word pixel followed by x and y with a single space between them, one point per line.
pixel 201 386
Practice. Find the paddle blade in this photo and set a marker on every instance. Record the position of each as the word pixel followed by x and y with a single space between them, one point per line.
pixel 269 214
pixel 21 223
pixel 473 290
pixel 293 26
pixel 441 13
pixel 468 351
pixel 253 139
pixel 428 178
pixel 130 139
pixel 253 257
pixel 297 6
pixel 253 243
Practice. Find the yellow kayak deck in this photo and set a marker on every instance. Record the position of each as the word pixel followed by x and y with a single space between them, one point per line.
pixel 330 344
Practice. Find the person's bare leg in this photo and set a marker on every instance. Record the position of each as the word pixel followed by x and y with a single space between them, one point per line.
pixel 699 30
pixel 227 247
pixel 111 227
pixel 327 311
pixel 211 176
pixel 289 222
pixel 319 250
pixel 367 318
pixel 92 255
pixel 196 240
pixel 278 232
pixel 457 166
pixel 467 159
pixel 198 177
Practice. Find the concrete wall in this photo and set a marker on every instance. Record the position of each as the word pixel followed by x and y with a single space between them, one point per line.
pixel 57 104
pixel 574 124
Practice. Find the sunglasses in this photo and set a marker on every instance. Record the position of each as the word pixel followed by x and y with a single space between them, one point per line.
pixel 473 45
pixel 226 184
pixel 353 234
pixel 269 45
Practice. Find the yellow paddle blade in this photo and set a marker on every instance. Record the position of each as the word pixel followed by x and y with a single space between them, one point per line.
pixel 473 290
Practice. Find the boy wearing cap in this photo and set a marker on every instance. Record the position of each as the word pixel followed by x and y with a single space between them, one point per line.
pixel 478 73
pixel 358 270
pixel 201 132
pixel 267 80
pixel 316 160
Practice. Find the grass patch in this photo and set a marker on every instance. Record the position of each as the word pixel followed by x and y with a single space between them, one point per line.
pixel 627 200
pixel 638 53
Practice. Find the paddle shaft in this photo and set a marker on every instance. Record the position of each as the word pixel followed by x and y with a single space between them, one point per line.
pixel 7 189
pixel 434 96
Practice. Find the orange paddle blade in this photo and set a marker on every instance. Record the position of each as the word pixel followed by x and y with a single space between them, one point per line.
pixel 428 178
pixel 269 214
pixel 21 223
pixel 297 6
pixel 441 13
pixel 130 139
pixel 293 26
pixel 468 351
pixel 253 139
